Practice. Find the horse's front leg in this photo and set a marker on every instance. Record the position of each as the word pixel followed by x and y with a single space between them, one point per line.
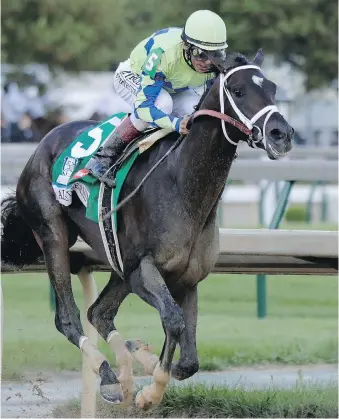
pixel 188 363
pixel 101 315
pixel 147 282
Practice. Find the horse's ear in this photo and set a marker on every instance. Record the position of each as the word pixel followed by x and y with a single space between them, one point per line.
pixel 259 58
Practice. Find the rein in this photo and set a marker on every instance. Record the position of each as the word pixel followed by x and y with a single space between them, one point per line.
pixel 208 112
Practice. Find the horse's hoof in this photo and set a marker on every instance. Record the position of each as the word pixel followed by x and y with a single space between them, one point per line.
pixel 181 372
pixel 135 345
pixel 112 393
pixel 110 388
pixel 142 352
pixel 141 402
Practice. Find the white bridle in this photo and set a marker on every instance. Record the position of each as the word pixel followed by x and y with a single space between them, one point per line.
pixel 269 110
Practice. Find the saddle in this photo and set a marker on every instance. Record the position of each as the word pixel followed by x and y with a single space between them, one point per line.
pixel 141 143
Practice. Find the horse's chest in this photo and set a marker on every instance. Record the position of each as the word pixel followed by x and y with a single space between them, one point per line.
pixel 192 264
pixel 199 266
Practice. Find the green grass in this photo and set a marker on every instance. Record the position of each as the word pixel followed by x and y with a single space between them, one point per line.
pixel 303 401
pixel 301 326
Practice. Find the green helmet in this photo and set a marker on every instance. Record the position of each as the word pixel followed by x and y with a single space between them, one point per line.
pixel 206 30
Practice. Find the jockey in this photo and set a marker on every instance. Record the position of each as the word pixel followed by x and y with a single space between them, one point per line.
pixel 162 81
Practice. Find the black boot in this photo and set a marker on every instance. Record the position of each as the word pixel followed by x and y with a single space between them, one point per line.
pixel 107 155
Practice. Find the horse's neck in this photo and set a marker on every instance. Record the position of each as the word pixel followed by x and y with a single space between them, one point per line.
pixel 204 160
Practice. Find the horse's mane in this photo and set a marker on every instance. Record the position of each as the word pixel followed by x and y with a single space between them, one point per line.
pixel 235 59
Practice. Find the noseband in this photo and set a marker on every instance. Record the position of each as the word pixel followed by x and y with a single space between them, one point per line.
pixel 244 124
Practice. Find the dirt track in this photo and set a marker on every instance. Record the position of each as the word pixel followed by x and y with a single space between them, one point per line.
pixel 40 392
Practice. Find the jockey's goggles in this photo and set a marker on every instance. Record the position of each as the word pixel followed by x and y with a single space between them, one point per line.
pixel 203 55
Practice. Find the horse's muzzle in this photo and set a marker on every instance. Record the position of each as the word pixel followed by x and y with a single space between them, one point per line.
pixel 279 142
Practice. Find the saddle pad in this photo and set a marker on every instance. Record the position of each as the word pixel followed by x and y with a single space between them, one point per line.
pixel 69 174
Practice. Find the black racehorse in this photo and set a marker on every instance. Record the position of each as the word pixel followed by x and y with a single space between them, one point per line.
pixel 168 232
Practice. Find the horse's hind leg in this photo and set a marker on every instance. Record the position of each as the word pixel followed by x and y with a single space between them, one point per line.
pixel 45 216
pixel 102 314
pixel 147 282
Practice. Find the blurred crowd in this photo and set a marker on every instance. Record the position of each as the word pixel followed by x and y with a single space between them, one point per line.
pixel 27 115
pixel 24 114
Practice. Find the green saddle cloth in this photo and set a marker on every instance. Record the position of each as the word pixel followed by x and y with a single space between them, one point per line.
pixel 69 174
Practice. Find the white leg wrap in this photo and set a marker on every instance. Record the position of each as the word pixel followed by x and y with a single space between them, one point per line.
pixel 124 361
pixel 82 340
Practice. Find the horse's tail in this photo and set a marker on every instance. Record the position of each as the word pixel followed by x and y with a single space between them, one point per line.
pixel 18 244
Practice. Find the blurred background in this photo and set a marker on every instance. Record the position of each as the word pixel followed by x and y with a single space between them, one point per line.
pixel 58 60
pixel 58 57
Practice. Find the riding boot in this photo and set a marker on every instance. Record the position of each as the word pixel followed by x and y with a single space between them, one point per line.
pixel 109 153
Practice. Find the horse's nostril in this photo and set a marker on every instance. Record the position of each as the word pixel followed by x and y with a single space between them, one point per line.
pixel 277 134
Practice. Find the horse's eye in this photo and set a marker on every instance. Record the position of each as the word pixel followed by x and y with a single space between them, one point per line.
pixel 238 92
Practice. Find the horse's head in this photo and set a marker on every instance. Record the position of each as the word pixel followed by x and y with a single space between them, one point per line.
pixel 248 96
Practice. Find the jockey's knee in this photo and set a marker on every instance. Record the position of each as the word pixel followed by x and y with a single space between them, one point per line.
pixel 139 124
pixel 164 102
